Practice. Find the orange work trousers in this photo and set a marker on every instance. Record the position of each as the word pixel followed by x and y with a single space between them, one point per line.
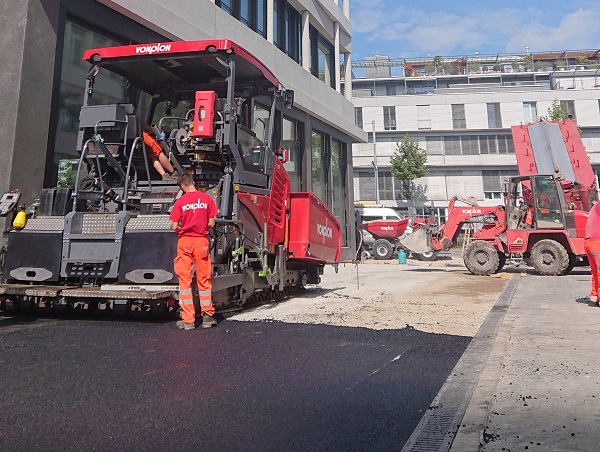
pixel 190 251
pixel 592 249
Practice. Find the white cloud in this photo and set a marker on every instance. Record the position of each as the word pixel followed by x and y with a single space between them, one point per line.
pixel 402 31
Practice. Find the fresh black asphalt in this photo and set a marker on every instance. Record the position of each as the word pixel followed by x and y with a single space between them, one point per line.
pixel 77 384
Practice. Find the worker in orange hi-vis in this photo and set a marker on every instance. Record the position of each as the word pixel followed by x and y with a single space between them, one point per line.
pixel 193 213
pixel 592 249
pixel 160 161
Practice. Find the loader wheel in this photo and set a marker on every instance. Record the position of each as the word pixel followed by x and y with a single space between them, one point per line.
pixel 429 256
pixel 549 258
pixel 481 258
pixel 382 249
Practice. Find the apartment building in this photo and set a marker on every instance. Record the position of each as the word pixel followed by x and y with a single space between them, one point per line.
pixel 301 41
pixel 461 111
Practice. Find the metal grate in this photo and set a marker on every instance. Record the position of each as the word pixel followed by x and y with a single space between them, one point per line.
pixel 439 425
pixel 99 224
pixel 45 224
pixel 142 223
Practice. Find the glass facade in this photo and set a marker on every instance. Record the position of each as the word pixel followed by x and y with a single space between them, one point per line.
pixel 252 13
pixel 287 30
pixel 338 184
pixel 291 139
pixel 328 165
pixel 319 166
pixel 109 87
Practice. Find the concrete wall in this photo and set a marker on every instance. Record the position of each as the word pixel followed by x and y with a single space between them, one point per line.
pixel 27 56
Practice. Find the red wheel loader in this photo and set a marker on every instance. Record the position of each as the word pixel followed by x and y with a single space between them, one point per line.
pixel 544 213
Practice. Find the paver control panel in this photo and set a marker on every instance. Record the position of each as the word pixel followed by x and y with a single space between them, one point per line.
pixel 8 202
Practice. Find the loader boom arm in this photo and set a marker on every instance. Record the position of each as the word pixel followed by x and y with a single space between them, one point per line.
pixel 493 219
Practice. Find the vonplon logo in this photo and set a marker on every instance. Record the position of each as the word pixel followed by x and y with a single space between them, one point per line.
pixel 471 211
pixel 194 206
pixel 150 49
pixel 324 231
pixel 387 228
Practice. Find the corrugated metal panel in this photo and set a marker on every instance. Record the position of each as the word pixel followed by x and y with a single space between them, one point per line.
pixel 549 149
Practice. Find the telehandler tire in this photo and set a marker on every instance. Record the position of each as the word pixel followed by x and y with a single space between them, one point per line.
pixel 549 258
pixel 481 258
pixel 501 261
pixel 572 264
pixel 382 249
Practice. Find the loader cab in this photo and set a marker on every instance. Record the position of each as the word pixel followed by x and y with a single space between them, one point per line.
pixel 535 202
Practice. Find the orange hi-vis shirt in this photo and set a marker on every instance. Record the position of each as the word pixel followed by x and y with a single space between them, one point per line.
pixel 152 143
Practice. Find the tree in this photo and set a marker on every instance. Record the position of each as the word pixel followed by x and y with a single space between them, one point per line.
pixel 408 164
pixel 556 112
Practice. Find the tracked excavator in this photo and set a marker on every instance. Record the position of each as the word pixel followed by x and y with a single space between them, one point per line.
pixel 106 243
pixel 542 220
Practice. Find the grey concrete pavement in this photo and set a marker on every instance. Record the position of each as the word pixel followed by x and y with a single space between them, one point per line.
pixel 540 386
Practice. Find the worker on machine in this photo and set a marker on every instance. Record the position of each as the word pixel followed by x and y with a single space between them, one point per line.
pixel 193 213
pixel 160 162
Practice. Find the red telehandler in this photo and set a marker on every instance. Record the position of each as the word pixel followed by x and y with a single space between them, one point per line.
pixel 544 213
pixel 106 243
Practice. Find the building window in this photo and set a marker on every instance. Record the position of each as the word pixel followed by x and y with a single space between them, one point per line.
pixel 530 112
pixel 474 145
pixel 322 64
pixel 568 106
pixel 319 165
pixel 433 145
pixel 366 186
pixel 338 183
pixel 358 117
pixel 492 183
pixel 386 185
pixel 494 118
pixel 390 90
pixel 470 145
pixel 225 5
pixel 423 117
pixel 458 116
pixel 452 145
pixel 291 139
pixel 252 13
pixel 389 118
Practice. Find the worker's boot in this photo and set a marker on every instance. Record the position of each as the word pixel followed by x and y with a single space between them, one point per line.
pixel 208 321
pixel 185 326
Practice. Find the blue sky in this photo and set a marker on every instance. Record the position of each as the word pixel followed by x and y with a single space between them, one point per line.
pixel 403 29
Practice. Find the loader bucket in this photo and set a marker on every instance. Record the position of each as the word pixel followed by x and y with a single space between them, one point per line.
pixel 417 242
